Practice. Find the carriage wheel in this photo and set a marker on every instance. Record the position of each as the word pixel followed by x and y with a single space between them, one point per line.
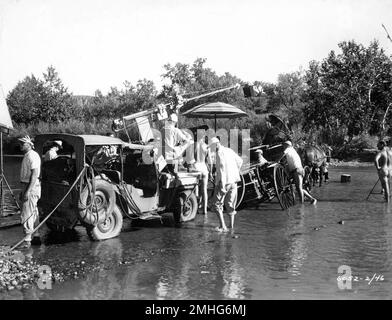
pixel 283 187
pixel 240 191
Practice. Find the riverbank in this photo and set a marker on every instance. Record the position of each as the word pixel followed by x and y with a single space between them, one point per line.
pixel 350 163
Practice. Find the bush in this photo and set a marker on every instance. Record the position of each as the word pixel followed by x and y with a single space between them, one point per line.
pixel 356 146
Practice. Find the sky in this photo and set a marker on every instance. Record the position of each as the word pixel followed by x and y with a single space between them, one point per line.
pixel 98 44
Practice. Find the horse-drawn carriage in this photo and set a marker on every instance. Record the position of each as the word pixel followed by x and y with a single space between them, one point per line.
pixel 264 182
pixel 261 183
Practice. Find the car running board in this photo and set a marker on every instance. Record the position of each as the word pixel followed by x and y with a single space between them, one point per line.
pixel 149 216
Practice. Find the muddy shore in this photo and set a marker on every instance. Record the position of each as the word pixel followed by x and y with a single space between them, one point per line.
pixel 350 163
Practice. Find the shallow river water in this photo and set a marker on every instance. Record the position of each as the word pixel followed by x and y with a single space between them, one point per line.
pixel 273 254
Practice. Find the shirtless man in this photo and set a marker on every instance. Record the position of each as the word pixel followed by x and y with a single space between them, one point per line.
pixel 383 163
pixel 296 170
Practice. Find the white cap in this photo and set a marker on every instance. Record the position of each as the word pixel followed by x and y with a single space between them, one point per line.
pixel 59 143
pixel 173 117
pixel 213 141
pixel 26 139
pixel 288 143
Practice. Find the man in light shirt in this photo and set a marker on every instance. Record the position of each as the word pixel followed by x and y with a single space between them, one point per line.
pixel 228 165
pixel 176 142
pixel 31 191
pixel 296 170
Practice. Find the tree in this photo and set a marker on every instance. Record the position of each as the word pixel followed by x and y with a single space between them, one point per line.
pixel 25 100
pixel 349 91
pixel 34 100
pixel 121 102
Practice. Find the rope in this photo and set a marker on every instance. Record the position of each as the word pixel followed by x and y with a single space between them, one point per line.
pixel 48 216
pixel 91 190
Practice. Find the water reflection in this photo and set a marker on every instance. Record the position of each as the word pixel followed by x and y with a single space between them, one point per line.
pixel 298 244
pixel 233 274
pixel 276 253
pixel 104 284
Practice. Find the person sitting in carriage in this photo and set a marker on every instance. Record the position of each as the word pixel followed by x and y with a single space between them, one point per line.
pixel 260 158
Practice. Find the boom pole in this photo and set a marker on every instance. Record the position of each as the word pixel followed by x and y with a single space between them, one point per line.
pixel 161 109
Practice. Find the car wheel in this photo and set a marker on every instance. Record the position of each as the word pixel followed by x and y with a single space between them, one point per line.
pixel 109 228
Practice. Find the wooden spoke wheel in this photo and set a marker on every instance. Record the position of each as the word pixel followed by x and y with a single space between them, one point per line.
pixel 240 191
pixel 283 187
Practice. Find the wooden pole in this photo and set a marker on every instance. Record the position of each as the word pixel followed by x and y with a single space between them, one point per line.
pixel 371 191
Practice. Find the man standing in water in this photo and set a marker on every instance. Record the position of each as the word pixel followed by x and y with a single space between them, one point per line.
pixel 31 192
pixel 228 165
pixel 383 163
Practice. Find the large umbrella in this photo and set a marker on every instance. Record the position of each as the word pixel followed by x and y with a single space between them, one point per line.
pixel 215 110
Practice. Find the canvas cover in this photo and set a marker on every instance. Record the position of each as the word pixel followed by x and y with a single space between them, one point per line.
pixel 5 118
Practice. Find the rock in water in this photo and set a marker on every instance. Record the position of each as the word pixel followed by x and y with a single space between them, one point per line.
pixel 16 271
pixel 345 178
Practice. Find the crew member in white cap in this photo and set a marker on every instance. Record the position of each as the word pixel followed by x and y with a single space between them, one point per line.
pixel 51 154
pixel 228 165
pixel 296 170
pixel 260 158
pixel 31 191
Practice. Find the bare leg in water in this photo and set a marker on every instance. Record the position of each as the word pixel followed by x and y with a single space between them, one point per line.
pixel 298 179
pixel 204 194
pixel 384 178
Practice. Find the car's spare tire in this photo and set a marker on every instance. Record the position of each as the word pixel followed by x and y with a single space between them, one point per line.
pixel 109 228
pixel 185 207
pixel 94 211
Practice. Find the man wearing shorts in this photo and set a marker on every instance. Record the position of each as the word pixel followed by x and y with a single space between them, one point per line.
pixel 228 165
pixel 296 170
pixel 383 163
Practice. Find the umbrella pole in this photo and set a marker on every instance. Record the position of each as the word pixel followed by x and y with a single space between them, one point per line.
pixel 215 123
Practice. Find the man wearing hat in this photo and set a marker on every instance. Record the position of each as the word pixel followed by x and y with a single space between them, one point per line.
pixel 51 154
pixel 260 158
pixel 31 189
pixel 228 165
pixel 296 170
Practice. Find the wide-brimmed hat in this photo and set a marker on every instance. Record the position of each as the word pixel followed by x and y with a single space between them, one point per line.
pixel 26 139
pixel 59 143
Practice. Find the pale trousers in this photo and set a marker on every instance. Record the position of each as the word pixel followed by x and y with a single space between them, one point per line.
pixel 29 215
pixel 226 199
